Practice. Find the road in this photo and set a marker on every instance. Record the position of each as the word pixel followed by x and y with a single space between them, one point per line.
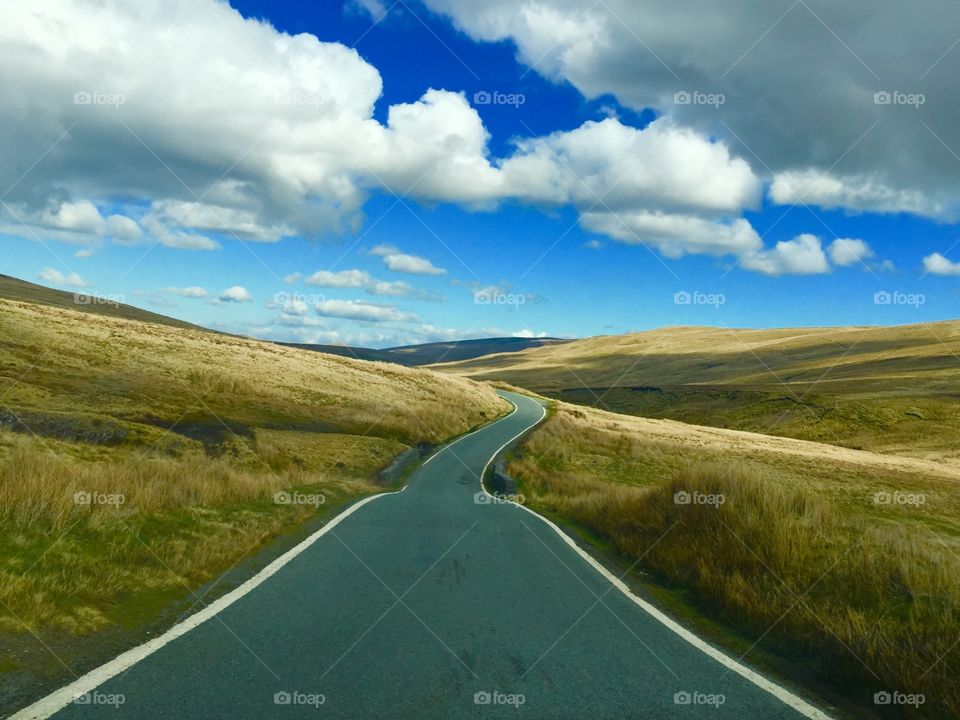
pixel 423 604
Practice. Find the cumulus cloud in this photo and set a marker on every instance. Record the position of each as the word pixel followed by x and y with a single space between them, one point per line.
pixel 849 251
pixel 55 277
pixel 295 134
pixel 340 279
pixel 296 149
pixel 854 192
pixel 236 294
pixel 363 311
pixel 937 264
pixel 403 263
pixel 363 279
pixel 676 235
pixel 801 256
pixel 797 113
pixel 188 292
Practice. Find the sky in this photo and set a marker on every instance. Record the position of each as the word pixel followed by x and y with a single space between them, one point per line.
pixel 380 173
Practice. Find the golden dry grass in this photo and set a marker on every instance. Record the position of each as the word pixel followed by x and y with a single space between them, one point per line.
pixel 887 389
pixel 799 553
pixel 139 460
pixel 54 360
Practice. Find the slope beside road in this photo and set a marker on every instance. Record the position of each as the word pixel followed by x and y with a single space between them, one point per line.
pixel 433 602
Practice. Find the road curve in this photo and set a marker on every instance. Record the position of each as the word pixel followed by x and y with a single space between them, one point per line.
pixel 432 602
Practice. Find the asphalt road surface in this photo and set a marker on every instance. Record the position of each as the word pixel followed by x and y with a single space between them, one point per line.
pixel 432 602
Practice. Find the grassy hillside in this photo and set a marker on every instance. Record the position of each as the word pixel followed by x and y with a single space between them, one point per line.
pixel 12 288
pixel 842 564
pixel 889 389
pixel 138 460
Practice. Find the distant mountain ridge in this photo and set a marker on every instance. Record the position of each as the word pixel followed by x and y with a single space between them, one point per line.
pixel 435 353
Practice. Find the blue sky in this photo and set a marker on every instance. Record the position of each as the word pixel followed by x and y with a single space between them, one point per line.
pixel 411 264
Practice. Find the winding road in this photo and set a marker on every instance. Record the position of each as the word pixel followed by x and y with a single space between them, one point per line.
pixel 432 602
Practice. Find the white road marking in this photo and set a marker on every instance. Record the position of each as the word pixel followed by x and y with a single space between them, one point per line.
pixel 59 699
pixel 781 693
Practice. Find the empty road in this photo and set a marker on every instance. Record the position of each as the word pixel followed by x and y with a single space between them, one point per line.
pixel 429 604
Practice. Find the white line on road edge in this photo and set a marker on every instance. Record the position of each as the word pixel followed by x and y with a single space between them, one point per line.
pixel 781 693
pixel 474 432
pixel 59 699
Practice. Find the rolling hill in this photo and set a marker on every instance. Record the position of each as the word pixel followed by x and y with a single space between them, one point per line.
pixel 890 389
pixel 12 288
pixel 431 353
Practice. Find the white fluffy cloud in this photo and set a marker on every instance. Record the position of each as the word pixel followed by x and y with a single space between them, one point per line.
pixel 937 264
pixel 236 294
pixel 363 279
pixel 341 279
pixel 403 263
pixel 363 311
pixel 676 235
pixel 849 251
pixel 294 145
pixel 188 292
pixel 801 256
pixel 794 111
pixel 222 127
pixel 55 277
